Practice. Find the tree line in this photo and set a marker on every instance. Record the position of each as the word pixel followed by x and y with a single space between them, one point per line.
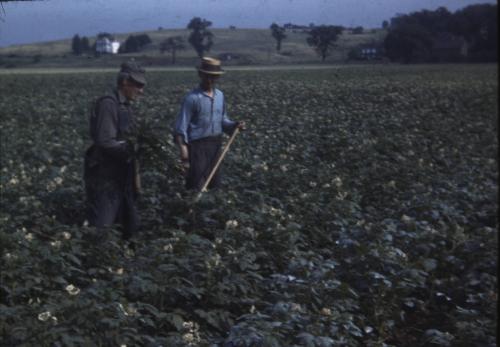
pixel 413 37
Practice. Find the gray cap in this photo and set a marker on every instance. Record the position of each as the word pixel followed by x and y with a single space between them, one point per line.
pixel 134 71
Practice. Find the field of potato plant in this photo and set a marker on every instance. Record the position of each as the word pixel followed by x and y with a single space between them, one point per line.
pixel 359 209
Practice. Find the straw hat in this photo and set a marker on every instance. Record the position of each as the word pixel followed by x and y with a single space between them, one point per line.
pixel 210 66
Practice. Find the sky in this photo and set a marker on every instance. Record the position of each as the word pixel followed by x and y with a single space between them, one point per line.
pixel 45 20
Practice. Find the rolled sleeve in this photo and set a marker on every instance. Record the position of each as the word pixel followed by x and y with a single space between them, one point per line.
pixel 227 124
pixel 184 118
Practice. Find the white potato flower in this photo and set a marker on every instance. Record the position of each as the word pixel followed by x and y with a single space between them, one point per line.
pixel 189 337
pixel 56 244
pixel 275 211
pixel 405 219
pixel 72 290
pixel 188 325
pixel 231 224
pixel 326 311
pixel 44 316
pixel 337 181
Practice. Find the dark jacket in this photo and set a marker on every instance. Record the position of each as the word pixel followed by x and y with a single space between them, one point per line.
pixel 110 172
pixel 111 127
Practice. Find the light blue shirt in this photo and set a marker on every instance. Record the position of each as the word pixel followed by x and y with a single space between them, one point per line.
pixel 202 116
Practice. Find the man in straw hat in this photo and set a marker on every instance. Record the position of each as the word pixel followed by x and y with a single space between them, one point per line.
pixel 110 172
pixel 199 127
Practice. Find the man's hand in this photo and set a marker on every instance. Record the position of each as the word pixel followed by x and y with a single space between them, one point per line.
pixel 241 125
pixel 184 166
pixel 184 154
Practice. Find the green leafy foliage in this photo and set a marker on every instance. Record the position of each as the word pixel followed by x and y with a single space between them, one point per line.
pixel 201 38
pixel 279 34
pixel 358 209
pixel 322 38
pixel 423 36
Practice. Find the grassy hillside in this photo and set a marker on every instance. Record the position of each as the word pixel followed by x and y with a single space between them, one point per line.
pixel 251 46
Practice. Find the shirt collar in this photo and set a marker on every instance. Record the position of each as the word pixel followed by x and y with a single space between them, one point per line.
pixel 200 90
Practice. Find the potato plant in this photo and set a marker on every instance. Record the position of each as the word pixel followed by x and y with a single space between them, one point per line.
pixel 359 208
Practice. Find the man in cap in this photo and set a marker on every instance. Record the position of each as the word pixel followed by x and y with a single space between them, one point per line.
pixel 110 172
pixel 199 126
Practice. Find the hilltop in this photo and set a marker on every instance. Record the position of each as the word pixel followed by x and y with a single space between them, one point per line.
pixel 246 46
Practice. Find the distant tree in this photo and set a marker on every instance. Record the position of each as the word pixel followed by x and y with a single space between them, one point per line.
pixel 414 37
pixel 323 38
pixel 479 25
pixel 200 38
pixel 85 44
pixel 172 44
pixel 435 22
pixel 279 34
pixel 130 45
pixel 385 24
pixel 407 42
pixel 358 30
pixel 135 43
pixel 76 45
pixel 143 40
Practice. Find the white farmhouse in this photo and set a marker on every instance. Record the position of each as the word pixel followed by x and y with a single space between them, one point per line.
pixel 107 45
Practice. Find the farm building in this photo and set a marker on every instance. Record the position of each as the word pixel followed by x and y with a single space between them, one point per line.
pixel 107 45
pixel 367 51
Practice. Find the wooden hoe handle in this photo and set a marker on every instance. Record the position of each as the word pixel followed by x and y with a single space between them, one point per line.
pixel 219 161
